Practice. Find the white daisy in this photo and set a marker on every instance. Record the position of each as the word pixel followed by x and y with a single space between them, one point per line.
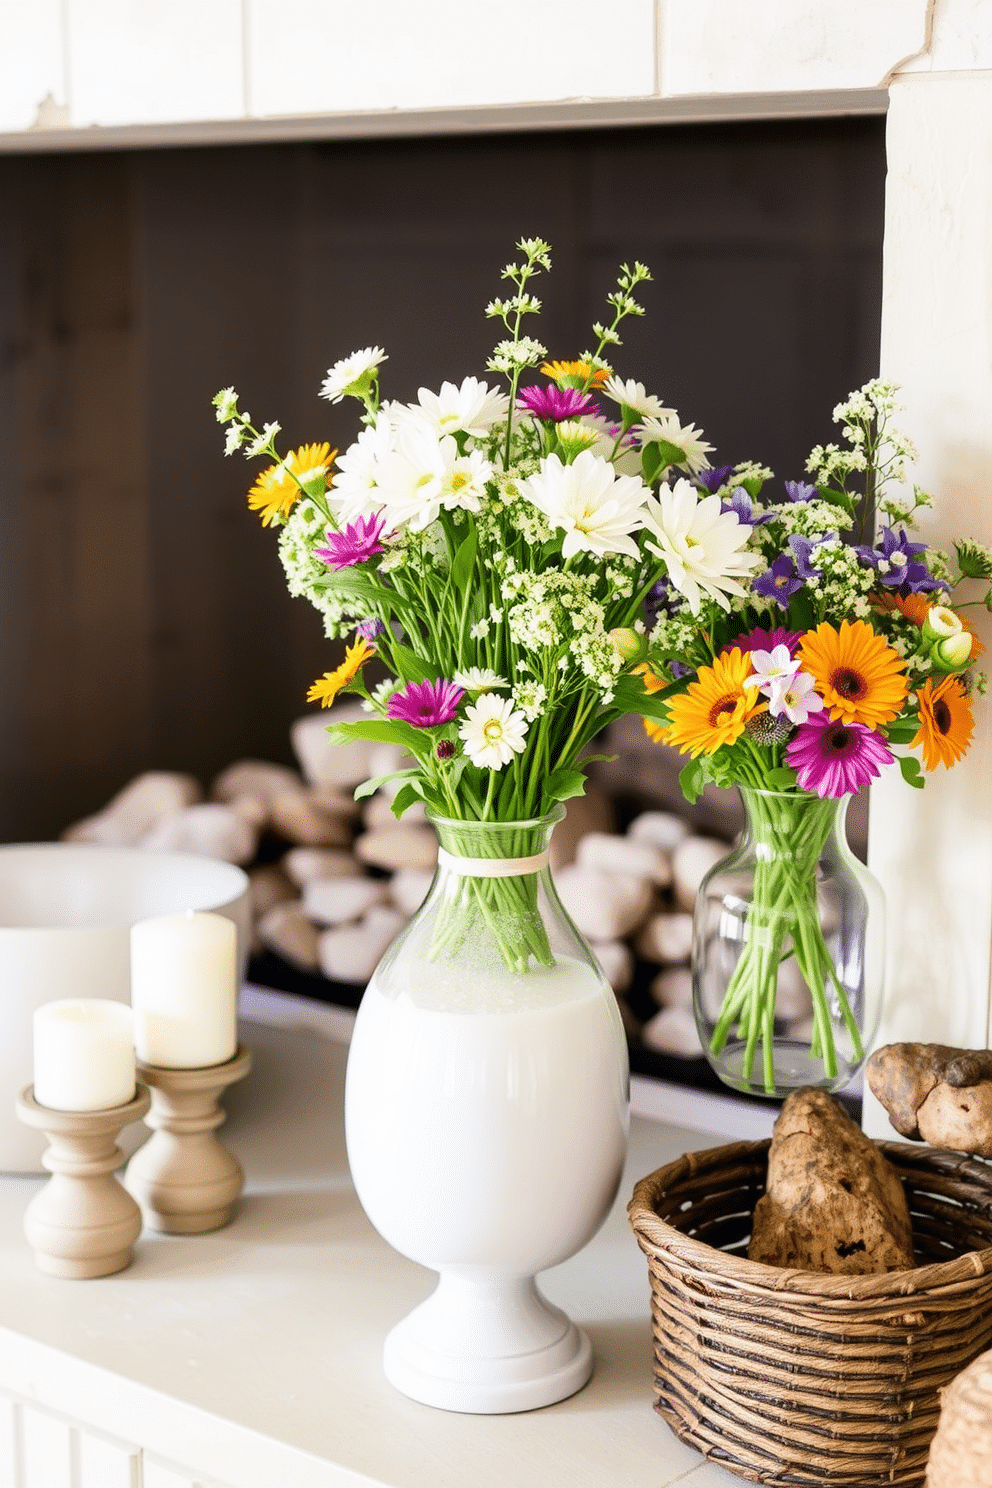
pixel 478 679
pixel 409 483
pixel 687 439
pixel 633 395
pixel 597 508
pixel 352 376
pixel 353 488
pixel 473 407
pixel 493 731
pixel 701 546
pixel 465 476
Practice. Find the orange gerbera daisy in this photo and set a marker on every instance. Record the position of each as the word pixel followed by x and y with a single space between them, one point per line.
pixel 916 607
pixel 654 730
pixel 575 374
pixel 327 687
pixel 859 676
pixel 276 492
pixel 714 709
pixel 946 722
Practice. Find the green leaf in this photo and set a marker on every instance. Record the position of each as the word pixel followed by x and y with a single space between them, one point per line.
pixel 668 453
pixel 801 614
pixel 631 696
pixel 911 772
pixel 369 787
pixel 780 779
pixel 408 795
pixel 902 730
pixel 411 667
pixel 650 462
pixel 840 498
pixel 562 785
pixel 464 561
pixel 692 778
pixel 381 731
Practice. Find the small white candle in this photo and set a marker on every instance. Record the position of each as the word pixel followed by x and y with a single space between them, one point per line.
pixel 184 990
pixel 83 1054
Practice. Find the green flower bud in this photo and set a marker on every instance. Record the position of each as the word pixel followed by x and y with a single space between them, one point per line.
pixel 953 653
pixel 629 645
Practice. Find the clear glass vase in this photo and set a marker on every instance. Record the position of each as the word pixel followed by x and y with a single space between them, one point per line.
pixel 788 950
pixel 486 1114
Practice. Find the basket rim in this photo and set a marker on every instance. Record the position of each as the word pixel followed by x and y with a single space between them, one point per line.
pixel 658 1238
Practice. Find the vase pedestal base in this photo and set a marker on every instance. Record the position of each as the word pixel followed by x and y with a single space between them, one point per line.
pixel 487 1348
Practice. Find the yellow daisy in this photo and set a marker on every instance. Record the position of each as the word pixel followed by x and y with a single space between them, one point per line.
pixel 859 676
pixel 655 731
pixel 946 722
pixel 275 492
pixel 575 374
pixel 327 687
pixel 713 710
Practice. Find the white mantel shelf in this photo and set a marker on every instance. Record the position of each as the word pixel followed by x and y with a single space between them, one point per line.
pixel 250 1358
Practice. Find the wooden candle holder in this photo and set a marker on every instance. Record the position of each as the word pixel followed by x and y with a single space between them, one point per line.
pixel 83 1222
pixel 185 1181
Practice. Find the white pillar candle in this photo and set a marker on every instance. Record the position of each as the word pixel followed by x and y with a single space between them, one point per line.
pixel 83 1055
pixel 184 990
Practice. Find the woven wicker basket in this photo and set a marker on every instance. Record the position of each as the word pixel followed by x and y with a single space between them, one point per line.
pixel 796 1377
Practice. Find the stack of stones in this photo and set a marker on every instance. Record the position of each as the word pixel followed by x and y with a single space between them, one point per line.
pixel 337 879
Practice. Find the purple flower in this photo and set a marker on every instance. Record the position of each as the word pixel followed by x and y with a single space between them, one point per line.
pixel 741 503
pixel 903 571
pixel 426 704
pixel 679 670
pixel 354 543
pixel 802 547
pixel 445 750
pixel 555 403
pixel 715 478
pixel 835 758
pixel 661 599
pixel 800 491
pixel 760 639
pixel 371 629
pixel 780 582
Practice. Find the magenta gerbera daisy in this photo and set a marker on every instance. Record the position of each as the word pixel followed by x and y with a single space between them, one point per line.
pixel 354 543
pixel 765 640
pixel 555 403
pixel 834 758
pixel 426 704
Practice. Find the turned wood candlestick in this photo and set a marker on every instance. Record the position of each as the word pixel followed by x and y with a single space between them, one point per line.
pixel 185 1181
pixel 83 1222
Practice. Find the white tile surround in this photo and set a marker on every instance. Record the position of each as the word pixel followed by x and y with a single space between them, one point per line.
pixel 92 73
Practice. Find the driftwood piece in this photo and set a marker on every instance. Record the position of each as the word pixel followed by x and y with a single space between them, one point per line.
pixel 936 1094
pixel 832 1202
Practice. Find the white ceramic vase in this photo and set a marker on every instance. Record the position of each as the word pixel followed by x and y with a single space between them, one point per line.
pixel 486 1113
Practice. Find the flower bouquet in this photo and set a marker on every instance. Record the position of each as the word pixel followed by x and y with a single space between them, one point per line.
pixel 531 563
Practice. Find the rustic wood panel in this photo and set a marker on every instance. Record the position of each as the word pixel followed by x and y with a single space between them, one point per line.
pixel 143 619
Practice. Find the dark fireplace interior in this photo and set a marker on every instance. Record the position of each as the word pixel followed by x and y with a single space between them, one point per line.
pixel 145 622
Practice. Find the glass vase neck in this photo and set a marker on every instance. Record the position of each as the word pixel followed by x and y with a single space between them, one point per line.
pixel 502 840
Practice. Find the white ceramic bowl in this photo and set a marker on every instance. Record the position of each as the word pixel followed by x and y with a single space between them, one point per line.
pixel 66 912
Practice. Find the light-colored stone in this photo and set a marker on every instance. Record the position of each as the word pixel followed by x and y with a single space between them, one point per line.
pixel 301 864
pixel 398 847
pixel 342 766
pixel 378 813
pixel 209 830
pixel 691 861
pixel 292 934
pixel 332 901
pixel 617 962
pixel 135 810
pixel 385 759
pixel 672 988
pixel 296 816
pixel 350 953
pixel 666 939
pixel 673 1031
pixel 613 853
pixel 336 802
pixel 258 778
pixel 408 888
pixel 605 906
pixel 592 812
pixel 662 829
pixel 270 886
pixel 254 810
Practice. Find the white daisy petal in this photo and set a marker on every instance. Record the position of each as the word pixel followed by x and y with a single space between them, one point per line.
pixel 701 546
pixel 493 731
pixel 595 507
